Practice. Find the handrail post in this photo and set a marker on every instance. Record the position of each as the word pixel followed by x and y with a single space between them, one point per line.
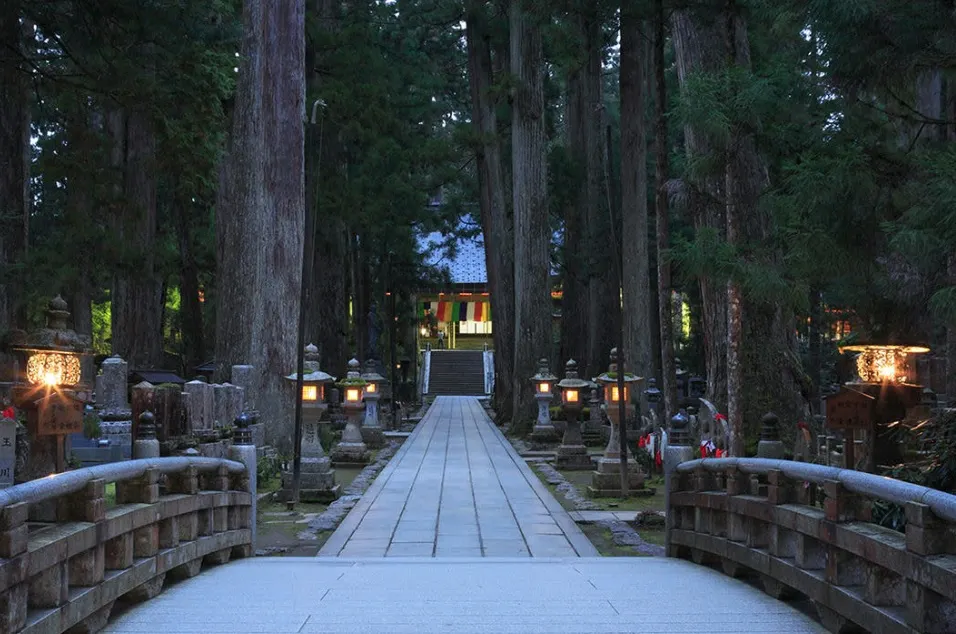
pixel 13 545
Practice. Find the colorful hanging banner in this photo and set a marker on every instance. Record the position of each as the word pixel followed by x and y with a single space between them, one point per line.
pixel 456 311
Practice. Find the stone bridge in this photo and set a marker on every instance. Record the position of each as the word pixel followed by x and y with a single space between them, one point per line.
pixel 755 546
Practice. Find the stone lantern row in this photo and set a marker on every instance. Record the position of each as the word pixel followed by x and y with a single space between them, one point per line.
pixel 572 453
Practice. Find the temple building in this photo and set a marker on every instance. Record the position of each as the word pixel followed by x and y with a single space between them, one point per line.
pixel 455 315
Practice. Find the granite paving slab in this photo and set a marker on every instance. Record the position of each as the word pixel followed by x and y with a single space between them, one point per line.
pixel 286 595
pixel 458 484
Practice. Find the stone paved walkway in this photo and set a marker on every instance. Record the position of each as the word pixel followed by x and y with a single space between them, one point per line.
pixel 297 595
pixel 457 488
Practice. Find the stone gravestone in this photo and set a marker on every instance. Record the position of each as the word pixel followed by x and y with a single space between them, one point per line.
pixel 317 478
pixel 143 397
pixel 198 400
pixel 228 404
pixel 242 378
pixel 116 417
pixel 8 451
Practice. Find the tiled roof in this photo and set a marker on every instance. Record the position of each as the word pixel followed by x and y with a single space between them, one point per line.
pixel 468 264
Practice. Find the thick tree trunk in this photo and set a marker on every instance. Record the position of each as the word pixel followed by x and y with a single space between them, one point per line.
pixel 604 301
pixel 260 216
pixel 664 288
pixel 574 302
pixel 634 237
pixel 762 370
pixel 699 46
pixel 530 204
pixel 327 318
pixel 137 294
pixel 194 339
pixel 14 160
pixel 496 226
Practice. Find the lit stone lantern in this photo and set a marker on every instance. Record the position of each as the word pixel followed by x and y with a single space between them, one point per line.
pixel 51 388
pixel 572 454
pixel 544 431
pixel 352 449
pixel 606 481
pixel 314 381
pixel 316 477
pixel 885 363
pixel 372 432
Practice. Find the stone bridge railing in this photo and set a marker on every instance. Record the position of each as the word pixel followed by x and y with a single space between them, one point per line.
pixel 170 515
pixel 805 529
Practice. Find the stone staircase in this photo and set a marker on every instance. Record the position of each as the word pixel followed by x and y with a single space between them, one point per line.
pixel 456 373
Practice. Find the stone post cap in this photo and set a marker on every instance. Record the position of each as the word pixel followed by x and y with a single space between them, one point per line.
pixel 146 430
pixel 243 435
pixel 770 427
pixel 678 433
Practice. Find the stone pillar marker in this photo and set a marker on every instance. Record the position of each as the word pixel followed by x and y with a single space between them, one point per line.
pixel 116 416
pixel 242 377
pixel 678 450
pixel 8 451
pixel 372 433
pixel 572 454
pixel 242 450
pixel 544 432
pixel 770 445
pixel 198 399
pixel 352 449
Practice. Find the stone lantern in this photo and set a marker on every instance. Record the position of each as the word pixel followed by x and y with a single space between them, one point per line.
pixel 316 476
pixel 606 481
pixel 352 449
pixel 543 382
pixel 372 432
pixel 314 381
pixel 572 454
pixel 51 388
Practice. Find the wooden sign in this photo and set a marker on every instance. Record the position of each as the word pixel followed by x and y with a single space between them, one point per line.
pixel 8 452
pixel 59 414
pixel 849 409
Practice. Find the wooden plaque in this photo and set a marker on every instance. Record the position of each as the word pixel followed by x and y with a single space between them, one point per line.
pixel 59 414
pixel 849 409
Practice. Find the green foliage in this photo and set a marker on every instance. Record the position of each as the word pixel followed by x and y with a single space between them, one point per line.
pixel 91 426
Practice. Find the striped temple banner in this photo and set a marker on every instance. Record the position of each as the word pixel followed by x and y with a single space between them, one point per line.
pixel 456 311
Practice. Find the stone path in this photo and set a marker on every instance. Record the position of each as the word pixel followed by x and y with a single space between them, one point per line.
pixel 286 595
pixel 457 488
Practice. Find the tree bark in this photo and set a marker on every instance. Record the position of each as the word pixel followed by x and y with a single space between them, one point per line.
pixel 137 293
pixel 698 44
pixel 575 278
pixel 604 302
pixel 14 160
pixel 327 318
pixel 664 288
pixel 634 236
pixel 496 226
pixel 530 204
pixel 260 215
pixel 194 339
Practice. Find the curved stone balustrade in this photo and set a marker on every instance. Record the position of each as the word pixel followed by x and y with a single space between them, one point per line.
pixel 171 514
pixel 805 529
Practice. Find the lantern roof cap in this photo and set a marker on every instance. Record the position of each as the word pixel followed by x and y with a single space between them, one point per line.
pixel 863 346
pixel 312 377
pixel 571 379
pixel 370 374
pixel 56 336
pixel 544 373
pixel 353 378
pixel 611 375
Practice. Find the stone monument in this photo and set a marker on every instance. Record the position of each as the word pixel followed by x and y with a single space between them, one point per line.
pixel 770 445
pixel 112 404
pixel 316 476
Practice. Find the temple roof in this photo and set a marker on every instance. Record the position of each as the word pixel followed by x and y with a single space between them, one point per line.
pixel 466 266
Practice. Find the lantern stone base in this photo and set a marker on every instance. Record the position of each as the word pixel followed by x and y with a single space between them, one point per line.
pixel 543 435
pixel 373 437
pixel 606 481
pixel 573 458
pixel 314 485
pixel 350 453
